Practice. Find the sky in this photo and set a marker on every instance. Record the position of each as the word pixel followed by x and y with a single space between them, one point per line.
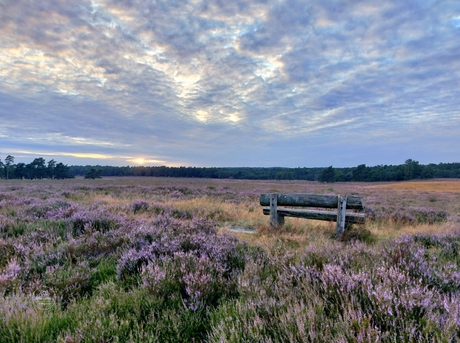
pixel 240 83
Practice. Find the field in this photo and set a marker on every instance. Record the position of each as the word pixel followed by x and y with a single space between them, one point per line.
pixel 194 260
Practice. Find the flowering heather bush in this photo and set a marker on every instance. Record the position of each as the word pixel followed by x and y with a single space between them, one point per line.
pixel 67 282
pixel 99 219
pixel 98 262
pixel 9 227
pixel 333 294
pixel 408 215
pixel 199 281
pixel 9 278
pixel 6 252
pixel 139 205
pixel 190 260
pixel 437 267
pixel 49 209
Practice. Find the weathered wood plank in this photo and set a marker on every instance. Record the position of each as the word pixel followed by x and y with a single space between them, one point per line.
pixel 312 200
pixel 341 207
pixel 352 218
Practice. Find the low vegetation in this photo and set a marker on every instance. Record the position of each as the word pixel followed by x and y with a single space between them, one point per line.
pixel 179 260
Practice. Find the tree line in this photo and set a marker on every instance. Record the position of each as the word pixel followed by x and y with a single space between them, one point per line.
pixel 37 169
pixel 409 170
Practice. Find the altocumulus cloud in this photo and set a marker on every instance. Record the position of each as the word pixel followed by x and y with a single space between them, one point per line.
pixel 230 83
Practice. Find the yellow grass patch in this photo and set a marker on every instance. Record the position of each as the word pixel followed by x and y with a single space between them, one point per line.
pixel 389 230
pixel 215 208
pixel 426 186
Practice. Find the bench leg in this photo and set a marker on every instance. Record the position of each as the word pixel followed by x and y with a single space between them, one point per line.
pixel 341 216
pixel 276 220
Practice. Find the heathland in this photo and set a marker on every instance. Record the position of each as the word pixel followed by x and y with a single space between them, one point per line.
pixel 179 260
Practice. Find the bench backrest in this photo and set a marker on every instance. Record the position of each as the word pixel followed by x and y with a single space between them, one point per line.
pixel 341 203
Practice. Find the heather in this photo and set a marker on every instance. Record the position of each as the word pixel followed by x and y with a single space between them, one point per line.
pixel 163 261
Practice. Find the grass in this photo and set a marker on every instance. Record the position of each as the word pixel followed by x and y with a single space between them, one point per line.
pixel 156 260
pixel 438 186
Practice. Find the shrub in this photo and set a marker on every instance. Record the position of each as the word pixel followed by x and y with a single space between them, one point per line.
pixel 139 206
pixel 97 220
pixel 169 254
pixel 6 252
pixel 409 215
pixel 68 283
pixel 357 233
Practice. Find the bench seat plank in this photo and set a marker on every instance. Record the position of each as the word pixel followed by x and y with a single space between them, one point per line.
pixel 352 218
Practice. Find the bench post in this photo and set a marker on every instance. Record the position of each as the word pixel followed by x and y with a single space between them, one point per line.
pixel 275 219
pixel 341 216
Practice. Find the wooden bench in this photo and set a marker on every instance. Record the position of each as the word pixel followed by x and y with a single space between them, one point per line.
pixel 340 202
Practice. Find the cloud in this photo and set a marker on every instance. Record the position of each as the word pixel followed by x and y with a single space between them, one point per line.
pixel 211 82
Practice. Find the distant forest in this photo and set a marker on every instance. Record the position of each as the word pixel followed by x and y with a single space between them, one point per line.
pixel 410 170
